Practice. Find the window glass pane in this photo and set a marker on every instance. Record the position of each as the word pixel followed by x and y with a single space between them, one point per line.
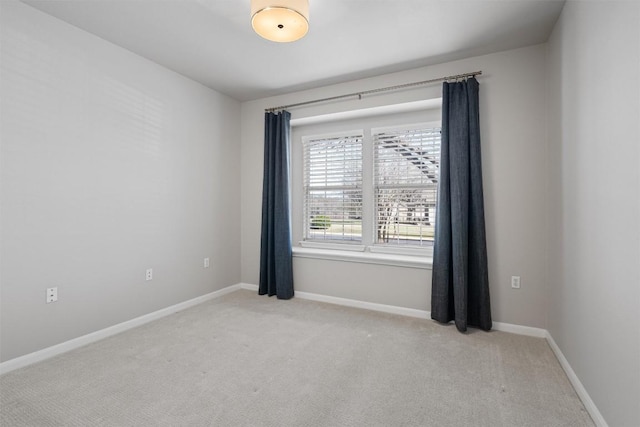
pixel 406 216
pixel 406 173
pixel 333 188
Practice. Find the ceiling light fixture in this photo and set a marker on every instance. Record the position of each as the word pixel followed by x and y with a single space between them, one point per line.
pixel 280 20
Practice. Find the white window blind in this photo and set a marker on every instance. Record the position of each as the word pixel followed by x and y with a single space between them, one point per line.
pixel 406 170
pixel 333 188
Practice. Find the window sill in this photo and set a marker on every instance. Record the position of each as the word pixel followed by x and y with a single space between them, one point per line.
pixel 395 260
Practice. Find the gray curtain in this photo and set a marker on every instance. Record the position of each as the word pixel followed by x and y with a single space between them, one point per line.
pixel 276 272
pixel 460 282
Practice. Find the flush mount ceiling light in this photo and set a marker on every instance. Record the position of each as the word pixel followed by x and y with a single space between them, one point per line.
pixel 280 20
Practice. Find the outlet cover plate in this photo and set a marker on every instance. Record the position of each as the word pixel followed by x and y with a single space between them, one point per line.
pixel 52 295
pixel 515 282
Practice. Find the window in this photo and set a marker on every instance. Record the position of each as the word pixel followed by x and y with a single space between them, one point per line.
pixel 406 162
pixel 333 188
pixel 373 189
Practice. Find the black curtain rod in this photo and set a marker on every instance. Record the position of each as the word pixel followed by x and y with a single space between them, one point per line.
pixel 369 92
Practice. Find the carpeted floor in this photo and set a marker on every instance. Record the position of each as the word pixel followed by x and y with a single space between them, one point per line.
pixel 247 360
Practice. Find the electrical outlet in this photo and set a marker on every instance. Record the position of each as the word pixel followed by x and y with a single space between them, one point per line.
pixel 206 263
pixel 149 275
pixel 52 295
pixel 515 282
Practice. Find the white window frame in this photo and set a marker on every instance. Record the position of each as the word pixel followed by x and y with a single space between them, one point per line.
pixel 367 252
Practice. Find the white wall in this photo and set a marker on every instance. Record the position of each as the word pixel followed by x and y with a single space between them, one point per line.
pixel 594 215
pixel 111 164
pixel 512 110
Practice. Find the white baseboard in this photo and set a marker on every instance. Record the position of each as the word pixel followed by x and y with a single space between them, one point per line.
pixel 249 287
pixel 72 344
pixel 589 405
pixel 520 330
pixel 403 311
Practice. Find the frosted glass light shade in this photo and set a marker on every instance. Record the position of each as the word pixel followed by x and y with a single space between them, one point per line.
pixel 280 20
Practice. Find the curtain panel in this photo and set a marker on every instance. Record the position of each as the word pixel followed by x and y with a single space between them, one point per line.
pixel 276 271
pixel 460 278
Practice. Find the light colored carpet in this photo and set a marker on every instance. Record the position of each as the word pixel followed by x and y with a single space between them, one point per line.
pixel 249 360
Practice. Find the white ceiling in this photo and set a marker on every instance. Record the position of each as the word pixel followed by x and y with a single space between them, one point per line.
pixel 211 41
